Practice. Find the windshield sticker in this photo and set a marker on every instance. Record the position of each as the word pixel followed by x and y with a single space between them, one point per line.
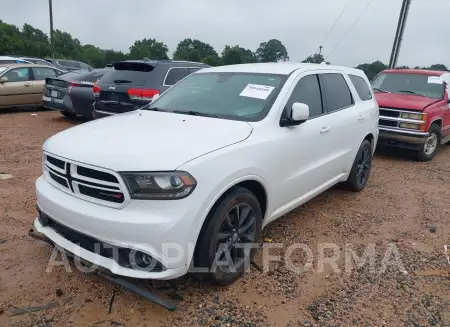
pixel 257 91
pixel 434 80
pixel 2 69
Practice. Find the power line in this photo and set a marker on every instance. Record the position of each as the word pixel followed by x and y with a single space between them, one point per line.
pixel 351 27
pixel 335 22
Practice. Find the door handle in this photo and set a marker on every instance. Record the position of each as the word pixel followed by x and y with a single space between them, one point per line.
pixel 360 117
pixel 324 129
pixel 27 84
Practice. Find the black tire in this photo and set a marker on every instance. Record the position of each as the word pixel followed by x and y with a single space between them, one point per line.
pixel 68 114
pixel 209 244
pixel 435 136
pixel 360 173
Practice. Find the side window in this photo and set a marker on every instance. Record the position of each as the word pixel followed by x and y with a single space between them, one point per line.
pixel 192 69
pixel 337 93
pixel 41 73
pixel 361 87
pixel 73 64
pixel 307 91
pixel 175 74
pixel 18 75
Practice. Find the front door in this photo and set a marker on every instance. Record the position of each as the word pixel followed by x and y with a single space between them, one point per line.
pixel 18 90
pixel 446 113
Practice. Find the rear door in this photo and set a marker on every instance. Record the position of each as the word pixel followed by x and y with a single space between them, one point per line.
pixel 18 90
pixel 340 123
pixel 39 76
pixel 123 87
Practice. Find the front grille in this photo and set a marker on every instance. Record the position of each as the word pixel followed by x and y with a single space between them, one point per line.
pixel 85 182
pixel 123 256
pixel 56 162
pixel 116 197
pixel 389 113
pixel 389 123
pixel 96 174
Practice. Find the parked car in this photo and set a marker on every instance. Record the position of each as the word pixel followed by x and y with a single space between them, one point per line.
pixel 12 60
pixel 68 65
pixel 72 93
pixel 37 61
pixel 22 85
pixel 414 110
pixel 201 170
pixel 132 84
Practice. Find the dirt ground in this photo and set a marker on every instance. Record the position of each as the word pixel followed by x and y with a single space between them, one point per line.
pixel 405 207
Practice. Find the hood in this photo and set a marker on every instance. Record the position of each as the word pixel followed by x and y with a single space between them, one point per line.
pixel 404 101
pixel 145 140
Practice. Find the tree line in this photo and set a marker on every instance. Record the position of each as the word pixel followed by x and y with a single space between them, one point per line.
pixel 33 42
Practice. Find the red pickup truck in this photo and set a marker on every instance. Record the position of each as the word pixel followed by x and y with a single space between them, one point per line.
pixel 414 110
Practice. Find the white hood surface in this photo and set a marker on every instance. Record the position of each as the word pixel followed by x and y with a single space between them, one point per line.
pixel 146 140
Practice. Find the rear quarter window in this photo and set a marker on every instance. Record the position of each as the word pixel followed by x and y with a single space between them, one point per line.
pixel 135 74
pixel 361 87
pixel 175 74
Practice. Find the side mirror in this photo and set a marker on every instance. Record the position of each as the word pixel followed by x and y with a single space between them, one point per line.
pixel 156 96
pixel 299 114
pixel 3 79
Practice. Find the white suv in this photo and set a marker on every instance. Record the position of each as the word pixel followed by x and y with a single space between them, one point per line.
pixel 200 171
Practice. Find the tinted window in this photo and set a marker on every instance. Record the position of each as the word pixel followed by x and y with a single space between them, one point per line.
pixel 192 69
pixel 63 63
pixel 73 64
pixel 7 61
pixel 414 84
pixel 85 66
pixel 41 73
pixel 361 87
pixel 175 74
pixel 307 91
pixel 237 96
pixel 18 75
pixel 128 73
pixel 75 76
pixel 337 93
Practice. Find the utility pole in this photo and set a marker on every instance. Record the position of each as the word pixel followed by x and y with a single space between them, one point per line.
pixel 399 34
pixel 51 27
pixel 320 50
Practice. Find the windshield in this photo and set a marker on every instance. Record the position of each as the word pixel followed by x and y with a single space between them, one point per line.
pixel 415 84
pixel 237 96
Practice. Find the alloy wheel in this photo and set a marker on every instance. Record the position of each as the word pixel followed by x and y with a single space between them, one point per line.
pixel 363 166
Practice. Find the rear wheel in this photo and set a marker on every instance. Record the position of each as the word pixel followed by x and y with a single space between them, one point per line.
pixel 430 148
pixel 359 175
pixel 229 237
pixel 68 114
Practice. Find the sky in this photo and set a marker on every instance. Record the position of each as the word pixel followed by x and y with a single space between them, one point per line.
pixel 301 25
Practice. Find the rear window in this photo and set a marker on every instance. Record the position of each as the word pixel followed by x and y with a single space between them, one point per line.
pixel 337 93
pixel 91 76
pixel 361 87
pixel 127 73
pixel 175 74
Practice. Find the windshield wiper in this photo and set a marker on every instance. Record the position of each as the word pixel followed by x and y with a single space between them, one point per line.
pixel 380 90
pixel 194 113
pixel 121 81
pixel 412 92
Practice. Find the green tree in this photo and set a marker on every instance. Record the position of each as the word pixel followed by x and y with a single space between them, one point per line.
pixel 194 50
pixel 272 51
pixel 441 67
pixel 314 59
pixel 112 56
pixel 67 46
pixel 149 48
pixel 237 55
pixel 213 60
pixel 373 69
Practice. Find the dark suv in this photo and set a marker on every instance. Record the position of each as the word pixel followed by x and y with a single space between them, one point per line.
pixel 131 84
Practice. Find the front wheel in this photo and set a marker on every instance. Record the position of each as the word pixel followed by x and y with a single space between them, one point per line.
pixel 229 237
pixel 430 148
pixel 359 175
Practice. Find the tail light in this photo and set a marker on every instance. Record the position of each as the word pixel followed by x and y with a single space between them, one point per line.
pixel 96 90
pixel 142 94
pixel 71 86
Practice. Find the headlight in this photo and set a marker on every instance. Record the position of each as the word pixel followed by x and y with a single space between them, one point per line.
pixel 159 185
pixel 409 126
pixel 414 116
